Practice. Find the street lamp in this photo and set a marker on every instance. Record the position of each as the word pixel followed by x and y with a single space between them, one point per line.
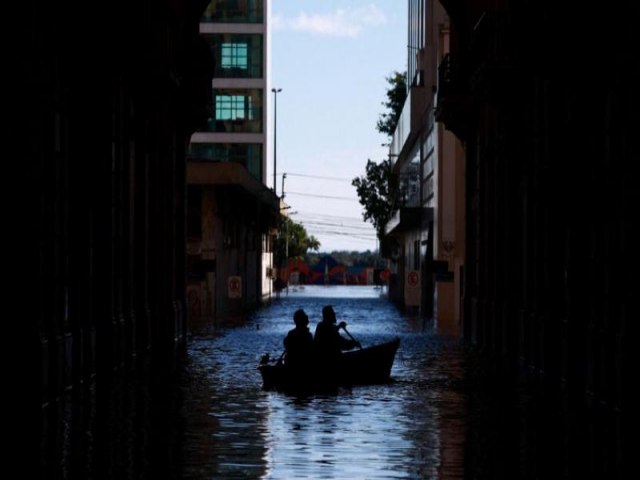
pixel 275 109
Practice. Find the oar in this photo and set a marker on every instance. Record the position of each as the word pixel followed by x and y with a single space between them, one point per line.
pixel 351 337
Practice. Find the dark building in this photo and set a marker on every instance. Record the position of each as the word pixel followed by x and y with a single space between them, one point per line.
pixel 543 96
pixel 109 99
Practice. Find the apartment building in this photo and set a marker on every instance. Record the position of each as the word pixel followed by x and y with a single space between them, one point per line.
pixel 232 215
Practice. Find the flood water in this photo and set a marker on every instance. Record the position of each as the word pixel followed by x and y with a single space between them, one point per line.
pixel 211 419
pixel 382 431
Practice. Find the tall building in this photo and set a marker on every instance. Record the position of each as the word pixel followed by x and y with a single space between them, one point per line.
pixel 425 236
pixel 231 213
pixel 236 32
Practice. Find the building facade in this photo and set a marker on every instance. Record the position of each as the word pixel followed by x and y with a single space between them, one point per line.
pixel 426 231
pixel 103 138
pixel 232 215
pixel 551 247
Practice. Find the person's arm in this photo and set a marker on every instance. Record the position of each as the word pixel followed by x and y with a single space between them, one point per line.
pixel 347 343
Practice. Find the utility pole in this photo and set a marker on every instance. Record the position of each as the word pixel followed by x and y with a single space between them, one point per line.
pixel 284 175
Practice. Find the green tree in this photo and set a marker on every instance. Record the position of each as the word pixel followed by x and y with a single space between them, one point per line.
pixel 396 96
pixel 373 190
pixel 293 241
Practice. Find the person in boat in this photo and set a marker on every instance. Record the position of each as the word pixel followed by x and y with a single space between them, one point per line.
pixel 327 340
pixel 298 343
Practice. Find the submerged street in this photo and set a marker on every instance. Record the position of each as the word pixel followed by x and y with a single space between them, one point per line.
pixel 411 428
pixel 440 417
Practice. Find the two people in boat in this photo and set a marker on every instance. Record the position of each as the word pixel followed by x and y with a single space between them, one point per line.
pixel 325 345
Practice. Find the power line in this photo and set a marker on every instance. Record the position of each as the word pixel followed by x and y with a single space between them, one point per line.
pixel 342 234
pixel 322 196
pixel 328 216
pixel 355 227
pixel 340 179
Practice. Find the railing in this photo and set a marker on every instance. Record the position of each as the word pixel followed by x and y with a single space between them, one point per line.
pixel 451 79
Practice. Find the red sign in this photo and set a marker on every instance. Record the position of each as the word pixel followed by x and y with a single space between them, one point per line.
pixel 413 278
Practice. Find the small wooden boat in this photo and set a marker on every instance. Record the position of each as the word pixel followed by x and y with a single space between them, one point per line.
pixel 365 366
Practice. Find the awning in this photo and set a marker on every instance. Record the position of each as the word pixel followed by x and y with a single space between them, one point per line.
pixel 230 174
pixel 408 218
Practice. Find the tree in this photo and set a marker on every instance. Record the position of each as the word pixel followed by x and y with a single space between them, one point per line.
pixel 293 241
pixel 377 184
pixel 396 96
pixel 373 190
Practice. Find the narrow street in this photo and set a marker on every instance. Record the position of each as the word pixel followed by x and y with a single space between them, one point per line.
pixel 441 417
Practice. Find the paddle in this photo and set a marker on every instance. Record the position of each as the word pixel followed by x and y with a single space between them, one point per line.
pixel 351 337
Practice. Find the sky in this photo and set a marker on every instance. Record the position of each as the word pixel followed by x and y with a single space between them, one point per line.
pixel 331 59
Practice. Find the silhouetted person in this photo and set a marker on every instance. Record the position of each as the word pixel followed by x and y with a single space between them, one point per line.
pixel 299 343
pixel 327 340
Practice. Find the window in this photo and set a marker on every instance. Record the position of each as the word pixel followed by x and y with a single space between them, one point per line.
pixel 236 110
pixel 234 55
pixel 230 107
pixel 234 11
pixel 237 55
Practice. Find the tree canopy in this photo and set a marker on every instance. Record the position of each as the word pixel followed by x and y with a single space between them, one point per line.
pixel 396 96
pixel 293 241
pixel 373 190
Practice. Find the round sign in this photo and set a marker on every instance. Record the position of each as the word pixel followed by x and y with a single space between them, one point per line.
pixel 234 287
pixel 413 279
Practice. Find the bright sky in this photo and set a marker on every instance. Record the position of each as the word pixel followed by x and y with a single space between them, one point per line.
pixel 330 58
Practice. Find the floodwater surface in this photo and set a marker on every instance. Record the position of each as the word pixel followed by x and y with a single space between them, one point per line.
pixel 413 427
pixel 442 416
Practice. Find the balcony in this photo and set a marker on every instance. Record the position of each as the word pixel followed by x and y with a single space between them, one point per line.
pixel 404 219
pixel 454 100
pixel 408 218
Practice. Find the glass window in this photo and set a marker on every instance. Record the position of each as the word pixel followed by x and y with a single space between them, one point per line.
pixel 230 107
pixel 233 55
pixel 236 110
pixel 234 11
pixel 236 55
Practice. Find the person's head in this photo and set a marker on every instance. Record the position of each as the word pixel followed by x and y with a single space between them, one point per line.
pixel 300 318
pixel 328 315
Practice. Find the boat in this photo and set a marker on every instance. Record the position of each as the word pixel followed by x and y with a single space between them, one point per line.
pixel 365 366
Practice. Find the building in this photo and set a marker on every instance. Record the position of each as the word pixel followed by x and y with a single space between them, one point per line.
pixel 232 216
pixel 103 134
pixel 551 248
pixel 425 237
